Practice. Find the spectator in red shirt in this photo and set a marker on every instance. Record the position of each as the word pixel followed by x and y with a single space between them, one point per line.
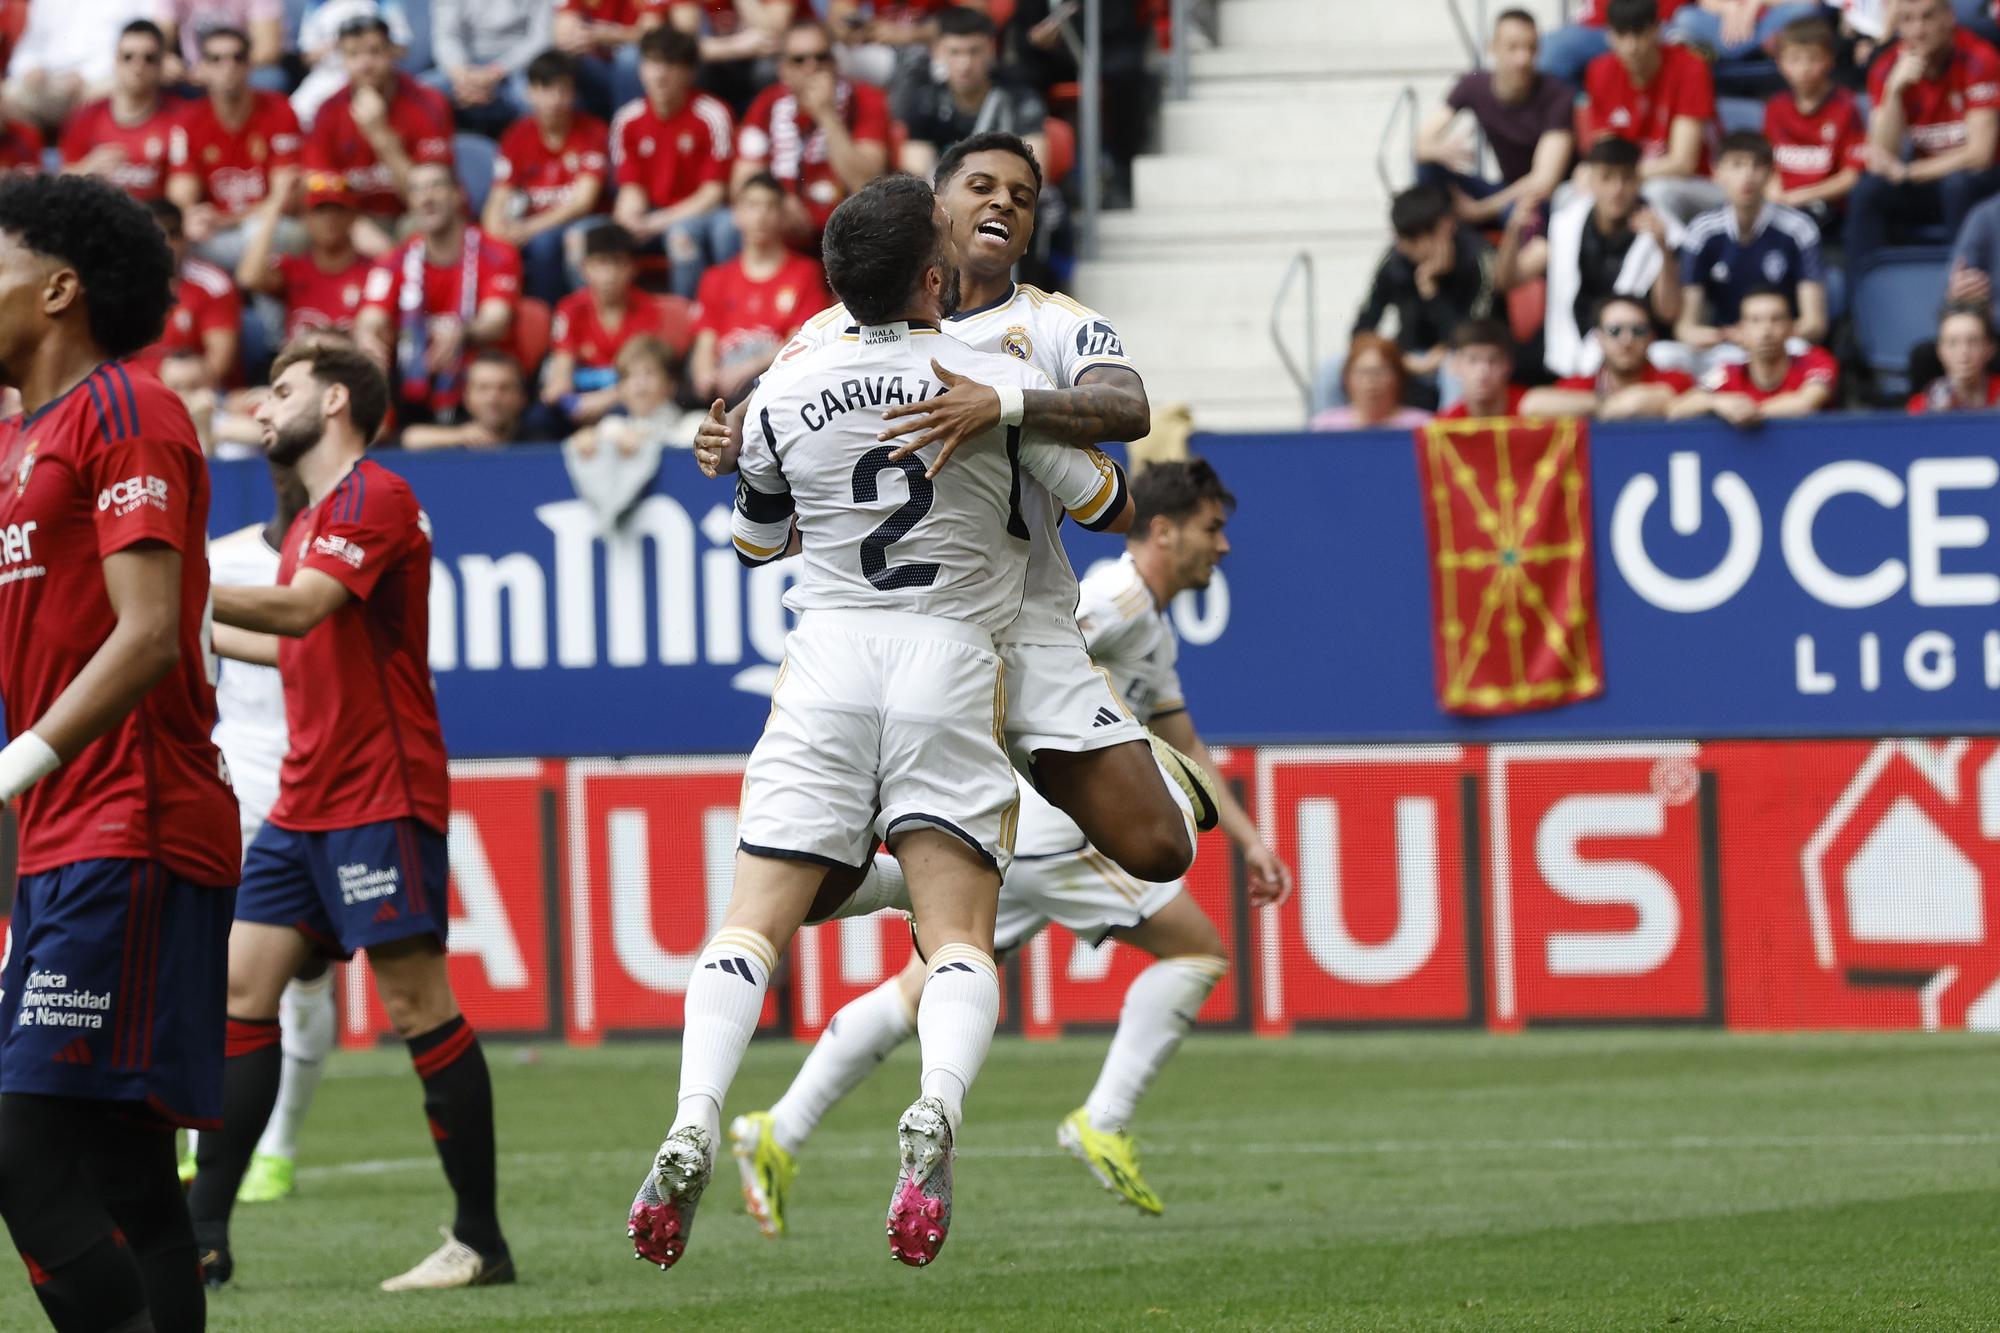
pixel 1965 347
pixel 1482 370
pixel 320 289
pixel 379 128
pixel 1936 91
pixel 1663 99
pixel 670 150
pixel 603 36
pixel 1525 117
pixel 591 326
pixel 231 150
pixel 496 397
pixel 123 137
pixel 821 136
pixel 446 292
pixel 549 179
pixel 751 305
pixel 21 146
pixel 1773 383
pixel 199 347
pixel 1817 133
pixel 1628 386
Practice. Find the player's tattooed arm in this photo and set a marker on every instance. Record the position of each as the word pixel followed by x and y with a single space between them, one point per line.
pixel 1108 404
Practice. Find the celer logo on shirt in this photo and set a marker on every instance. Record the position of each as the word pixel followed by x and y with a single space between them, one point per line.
pixel 130 495
pixel 340 549
pixel 17 542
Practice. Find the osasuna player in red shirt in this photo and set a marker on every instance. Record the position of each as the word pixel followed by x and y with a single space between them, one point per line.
pixel 123 137
pixel 822 136
pixel 230 151
pixel 1773 383
pixel 749 306
pixel 111 999
pixel 353 855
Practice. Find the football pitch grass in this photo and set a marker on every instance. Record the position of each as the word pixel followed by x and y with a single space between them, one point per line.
pixel 1584 1180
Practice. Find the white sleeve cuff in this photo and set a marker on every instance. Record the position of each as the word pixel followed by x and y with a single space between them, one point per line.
pixel 26 761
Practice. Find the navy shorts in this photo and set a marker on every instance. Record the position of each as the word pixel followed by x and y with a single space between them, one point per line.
pixel 347 889
pixel 115 987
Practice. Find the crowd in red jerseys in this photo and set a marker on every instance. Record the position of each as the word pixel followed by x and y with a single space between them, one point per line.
pixel 1680 158
pixel 657 169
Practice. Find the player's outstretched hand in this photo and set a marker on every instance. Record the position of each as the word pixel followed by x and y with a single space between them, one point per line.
pixel 714 449
pixel 1270 878
pixel 966 409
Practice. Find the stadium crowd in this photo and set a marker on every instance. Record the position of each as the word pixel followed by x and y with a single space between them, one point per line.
pixel 521 207
pixel 1686 196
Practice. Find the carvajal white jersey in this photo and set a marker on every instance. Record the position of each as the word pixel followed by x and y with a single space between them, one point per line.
pixel 249 700
pixel 1062 339
pixel 876 533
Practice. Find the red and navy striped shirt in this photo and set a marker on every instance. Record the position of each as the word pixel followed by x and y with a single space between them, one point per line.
pixel 109 465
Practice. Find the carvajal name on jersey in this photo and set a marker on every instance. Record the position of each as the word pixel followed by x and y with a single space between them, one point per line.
pixel 874 391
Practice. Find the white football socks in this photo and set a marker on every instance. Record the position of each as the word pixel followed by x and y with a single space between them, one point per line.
pixel 307 1030
pixel 882 886
pixel 961 1004
pixel 1158 1011
pixel 855 1041
pixel 724 999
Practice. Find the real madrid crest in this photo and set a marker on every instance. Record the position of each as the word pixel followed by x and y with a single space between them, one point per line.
pixel 21 473
pixel 1016 342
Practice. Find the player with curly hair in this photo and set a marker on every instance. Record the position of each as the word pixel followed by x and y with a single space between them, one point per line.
pixel 111 996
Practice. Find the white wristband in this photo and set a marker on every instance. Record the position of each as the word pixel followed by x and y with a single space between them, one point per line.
pixel 26 761
pixel 1013 403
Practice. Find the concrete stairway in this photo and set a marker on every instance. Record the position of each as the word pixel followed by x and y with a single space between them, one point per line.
pixel 1273 153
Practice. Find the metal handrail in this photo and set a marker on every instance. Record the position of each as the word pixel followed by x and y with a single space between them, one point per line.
pixel 1404 105
pixel 1090 128
pixel 1301 263
pixel 1180 13
pixel 1465 37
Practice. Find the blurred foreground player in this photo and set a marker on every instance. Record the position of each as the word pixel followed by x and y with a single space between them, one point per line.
pixel 352 855
pixel 250 701
pixel 1174 544
pixel 111 1000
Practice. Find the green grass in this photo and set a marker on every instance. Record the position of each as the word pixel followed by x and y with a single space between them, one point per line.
pixel 1572 1181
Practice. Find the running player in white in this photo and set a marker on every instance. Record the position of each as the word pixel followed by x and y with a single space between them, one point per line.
pixel 887 721
pixel 1174 543
pixel 1103 773
pixel 251 733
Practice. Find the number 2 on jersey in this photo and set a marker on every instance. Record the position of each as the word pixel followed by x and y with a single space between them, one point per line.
pixel 875 546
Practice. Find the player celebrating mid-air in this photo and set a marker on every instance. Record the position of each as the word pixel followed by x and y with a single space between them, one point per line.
pixel 888 718
pixel 251 733
pixel 1174 543
pixel 1064 723
pixel 111 999
pixel 352 856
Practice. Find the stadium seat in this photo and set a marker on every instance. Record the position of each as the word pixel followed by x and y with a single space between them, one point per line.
pixel 1739 113
pixel 1527 308
pixel 475 155
pixel 1901 289
pixel 418 58
pixel 532 320
pixel 1061 136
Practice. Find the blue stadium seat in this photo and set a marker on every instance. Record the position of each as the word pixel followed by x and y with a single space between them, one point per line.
pixel 1896 296
pixel 1739 113
pixel 475 155
pixel 418 58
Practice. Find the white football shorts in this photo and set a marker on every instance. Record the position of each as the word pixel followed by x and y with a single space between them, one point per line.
pixel 1057 699
pixel 881 720
pixel 1085 892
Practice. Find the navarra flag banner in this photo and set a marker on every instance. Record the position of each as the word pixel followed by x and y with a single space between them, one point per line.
pixel 1513 602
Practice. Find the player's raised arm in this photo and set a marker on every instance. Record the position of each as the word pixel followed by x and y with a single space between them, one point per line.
pixel 1088 483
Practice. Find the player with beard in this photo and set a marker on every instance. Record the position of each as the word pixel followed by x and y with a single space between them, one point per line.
pixel 111 996
pixel 1137 799
pixel 352 855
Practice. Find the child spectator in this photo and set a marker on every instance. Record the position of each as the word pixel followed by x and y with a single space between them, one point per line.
pixel 1482 363
pixel 821 136
pixel 671 150
pixel 496 396
pixel 645 410
pixel 1818 137
pixel 232 150
pixel 1936 89
pixel 1660 97
pixel 205 327
pixel 749 306
pixel 320 289
pixel 1965 347
pixel 593 326
pixel 1772 383
pixel 379 128
pixel 123 137
pixel 549 177
pixel 1628 386
pixel 437 298
pixel 1525 117
pixel 1749 243
pixel 1373 382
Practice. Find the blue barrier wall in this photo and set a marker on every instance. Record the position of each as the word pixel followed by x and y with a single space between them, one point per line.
pixel 1836 577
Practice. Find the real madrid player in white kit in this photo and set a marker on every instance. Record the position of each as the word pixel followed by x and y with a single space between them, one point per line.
pixel 1056 876
pixel 1064 722
pixel 251 733
pixel 887 720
